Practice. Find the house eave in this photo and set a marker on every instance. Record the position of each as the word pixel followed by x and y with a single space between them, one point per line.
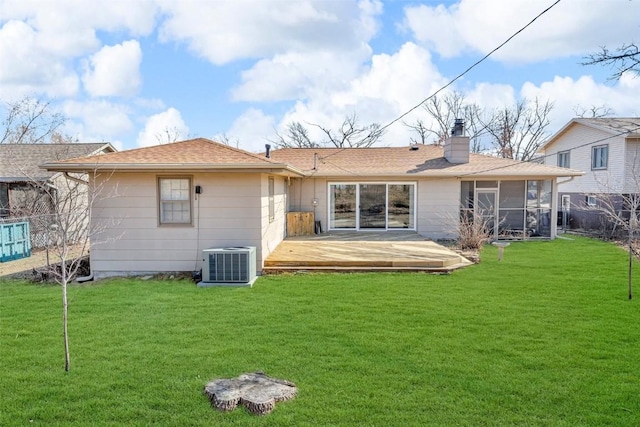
pixel 276 168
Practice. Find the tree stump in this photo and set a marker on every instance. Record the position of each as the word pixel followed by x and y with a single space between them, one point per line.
pixel 256 391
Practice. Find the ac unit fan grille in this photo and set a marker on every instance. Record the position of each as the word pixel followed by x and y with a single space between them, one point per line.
pixel 229 267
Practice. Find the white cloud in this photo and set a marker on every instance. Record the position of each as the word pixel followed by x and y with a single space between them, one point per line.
pixel 251 128
pixel 96 120
pixel 572 27
pixel 163 127
pixel 227 30
pixel 568 93
pixel 40 40
pixel 27 66
pixel 391 86
pixel 299 75
pixel 114 70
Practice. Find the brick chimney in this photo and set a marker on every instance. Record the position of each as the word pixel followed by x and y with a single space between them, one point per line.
pixel 456 147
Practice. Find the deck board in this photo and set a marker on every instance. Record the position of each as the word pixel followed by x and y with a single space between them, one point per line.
pixel 363 251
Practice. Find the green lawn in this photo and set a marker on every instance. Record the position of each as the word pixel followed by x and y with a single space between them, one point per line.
pixel 545 337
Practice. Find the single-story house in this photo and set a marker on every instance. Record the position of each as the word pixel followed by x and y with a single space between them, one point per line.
pixel 26 190
pixel 175 200
pixel 608 148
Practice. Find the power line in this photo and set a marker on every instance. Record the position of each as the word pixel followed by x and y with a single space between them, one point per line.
pixel 470 68
pixel 383 128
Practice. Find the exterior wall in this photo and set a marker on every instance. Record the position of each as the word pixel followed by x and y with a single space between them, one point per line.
pixel 302 193
pixel 228 213
pixel 582 216
pixel 438 202
pixel 609 180
pixel 438 208
pixel 273 231
pixel 620 176
pixel 632 167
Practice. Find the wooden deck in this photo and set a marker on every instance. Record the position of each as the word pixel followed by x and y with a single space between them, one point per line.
pixel 363 251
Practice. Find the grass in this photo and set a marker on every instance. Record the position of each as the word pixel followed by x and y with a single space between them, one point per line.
pixel 545 337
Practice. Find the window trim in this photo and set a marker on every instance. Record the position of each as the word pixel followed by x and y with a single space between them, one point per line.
pixel 605 148
pixel 591 201
pixel 159 179
pixel 564 155
pixel 357 184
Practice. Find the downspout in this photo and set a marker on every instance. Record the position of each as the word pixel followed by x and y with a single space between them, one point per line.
pixel 571 178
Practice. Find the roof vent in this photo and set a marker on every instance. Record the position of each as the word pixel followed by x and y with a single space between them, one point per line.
pixel 414 147
pixel 267 147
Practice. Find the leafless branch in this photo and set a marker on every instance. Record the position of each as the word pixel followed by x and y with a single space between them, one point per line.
pixel 625 58
pixel 29 121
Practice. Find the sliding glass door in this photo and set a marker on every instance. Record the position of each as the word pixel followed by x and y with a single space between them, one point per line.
pixel 371 206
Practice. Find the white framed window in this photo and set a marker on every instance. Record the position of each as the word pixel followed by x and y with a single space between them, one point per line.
pixel 174 200
pixel 591 200
pixel 372 205
pixel 599 157
pixel 272 204
pixel 563 159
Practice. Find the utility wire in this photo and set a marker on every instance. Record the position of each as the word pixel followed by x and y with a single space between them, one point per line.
pixel 469 68
pixel 459 76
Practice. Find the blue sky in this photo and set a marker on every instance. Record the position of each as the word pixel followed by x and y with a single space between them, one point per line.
pixel 127 71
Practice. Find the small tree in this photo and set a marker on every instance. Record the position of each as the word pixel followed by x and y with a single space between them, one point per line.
pixel 619 206
pixel 72 229
pixel 621 212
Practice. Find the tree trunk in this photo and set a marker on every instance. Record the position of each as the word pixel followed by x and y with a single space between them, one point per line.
pixel 65 331
pixel 630 264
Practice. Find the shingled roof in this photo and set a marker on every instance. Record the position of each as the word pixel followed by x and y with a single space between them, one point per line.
pixel 20 162
pixel 193 154
pixel 206 155
pixel 626 127
pixel 409 161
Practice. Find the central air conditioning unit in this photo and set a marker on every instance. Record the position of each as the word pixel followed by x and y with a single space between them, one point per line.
pixel 229 266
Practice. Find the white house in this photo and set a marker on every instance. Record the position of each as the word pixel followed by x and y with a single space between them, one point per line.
pixel 175 200
pixel 608 149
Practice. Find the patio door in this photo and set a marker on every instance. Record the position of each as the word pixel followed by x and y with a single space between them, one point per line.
pixel 486 208
pixel 373 206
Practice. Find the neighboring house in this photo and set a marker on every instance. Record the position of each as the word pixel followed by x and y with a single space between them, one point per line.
pixel 175 200
pixel 608 149
pixel 25 188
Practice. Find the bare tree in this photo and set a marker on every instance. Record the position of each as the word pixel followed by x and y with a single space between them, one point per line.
pixel 625 58
pixel 593 112
pixel 350 134
pixel 518 131
pixel 619 205
pixel 443 111
pixel 169 135
pixel 227 140
pixel 296 136
pixel 72 229
pixel 29 121
pixel 421 129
